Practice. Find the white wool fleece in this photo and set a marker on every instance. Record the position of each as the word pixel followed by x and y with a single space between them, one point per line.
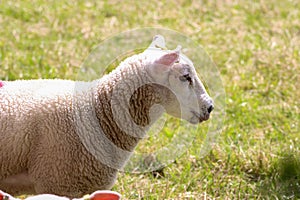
pixel 70 138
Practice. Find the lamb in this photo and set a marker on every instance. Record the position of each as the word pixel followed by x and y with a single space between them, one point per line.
pixel 70 138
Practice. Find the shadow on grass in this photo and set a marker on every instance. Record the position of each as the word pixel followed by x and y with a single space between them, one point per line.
pixel 284 181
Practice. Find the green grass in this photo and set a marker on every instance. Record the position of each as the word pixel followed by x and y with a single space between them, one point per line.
pixel 256 46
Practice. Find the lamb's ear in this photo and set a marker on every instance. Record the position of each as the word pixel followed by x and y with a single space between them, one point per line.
pixel 163 64
pixel 158 41
pixel 168 59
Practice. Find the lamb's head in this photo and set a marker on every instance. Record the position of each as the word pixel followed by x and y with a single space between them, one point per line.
pixel 182 92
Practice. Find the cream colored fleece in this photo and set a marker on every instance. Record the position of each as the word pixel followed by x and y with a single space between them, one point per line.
pixel 61 137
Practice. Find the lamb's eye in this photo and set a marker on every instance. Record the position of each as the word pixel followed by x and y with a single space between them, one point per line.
pixel 185 78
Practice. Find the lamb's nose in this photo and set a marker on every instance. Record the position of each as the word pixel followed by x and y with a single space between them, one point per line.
pixel 210 108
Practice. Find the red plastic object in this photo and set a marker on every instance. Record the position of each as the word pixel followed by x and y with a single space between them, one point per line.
pixel 105 195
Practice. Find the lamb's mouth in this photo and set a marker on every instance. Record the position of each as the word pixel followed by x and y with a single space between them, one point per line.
pixel 198 118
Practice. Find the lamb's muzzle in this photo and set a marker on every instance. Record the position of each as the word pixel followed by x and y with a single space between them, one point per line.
pixel 210 108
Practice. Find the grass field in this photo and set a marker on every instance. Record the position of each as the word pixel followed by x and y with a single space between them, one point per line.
pixel 256 46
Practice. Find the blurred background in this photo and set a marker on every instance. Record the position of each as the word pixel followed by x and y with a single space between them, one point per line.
pixel 256 46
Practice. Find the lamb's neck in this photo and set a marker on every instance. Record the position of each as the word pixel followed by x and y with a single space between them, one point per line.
pixel 124 102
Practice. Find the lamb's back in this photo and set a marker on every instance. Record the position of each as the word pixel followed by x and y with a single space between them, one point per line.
pixel 24 101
